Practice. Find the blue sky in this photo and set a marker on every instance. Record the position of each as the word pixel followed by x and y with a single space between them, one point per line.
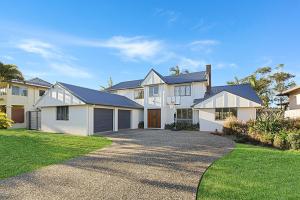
pixel 86 42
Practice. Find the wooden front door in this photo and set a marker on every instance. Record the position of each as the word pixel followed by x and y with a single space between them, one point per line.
pixel 154 118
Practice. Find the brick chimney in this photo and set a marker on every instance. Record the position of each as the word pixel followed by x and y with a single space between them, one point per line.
pixel 208 77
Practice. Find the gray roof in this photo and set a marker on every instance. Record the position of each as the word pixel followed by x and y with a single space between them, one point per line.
pixel 96 97
pixel 35 81
pixel 182 78
pixel 38 81
pixel 242 90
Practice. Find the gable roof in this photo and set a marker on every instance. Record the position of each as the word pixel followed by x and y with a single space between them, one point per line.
pixel 95 97
pixel 35 82
pixel 182 78
pixel 38 81
pixel 242 90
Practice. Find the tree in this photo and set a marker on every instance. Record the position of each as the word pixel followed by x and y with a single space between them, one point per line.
pixel 9 72
pixel 260 81
pixel 109 84
pixel 175 71
pixel 236 81
pixel 282 81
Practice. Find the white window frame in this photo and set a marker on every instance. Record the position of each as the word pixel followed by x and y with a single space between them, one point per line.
pixel 183 90
pixel 21 91
pixel 62 113
pixel 186 119
pixel 139 94
pixel 152 92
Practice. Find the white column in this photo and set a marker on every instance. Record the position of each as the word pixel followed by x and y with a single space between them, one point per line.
pixel 116 119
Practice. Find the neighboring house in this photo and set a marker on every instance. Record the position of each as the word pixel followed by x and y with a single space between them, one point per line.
pixel 293 108
pixel 157 100
pixel 71 109
pixel 189 98
pixel 18 97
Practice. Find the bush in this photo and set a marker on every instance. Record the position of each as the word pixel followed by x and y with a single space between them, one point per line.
pixel 183 126
pixel 141 125
pixel 232 126
pixel 266 138
pixel 170 126
pixel 268 122
pixel 4 121
pixel 280 140
pixel 293 139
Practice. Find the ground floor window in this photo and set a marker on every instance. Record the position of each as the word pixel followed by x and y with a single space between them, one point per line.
pixel 223 113
pixel 185 115
pixel 62 113
pixel 17 114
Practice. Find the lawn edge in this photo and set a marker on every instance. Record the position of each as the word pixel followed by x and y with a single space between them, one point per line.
pixel 201 178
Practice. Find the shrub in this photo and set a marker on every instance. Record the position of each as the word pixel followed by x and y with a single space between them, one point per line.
pixel 170 126
pixel 280 140
pixel 266 138
pixel 187 126
pixel 293 139
pixel 4 121
pixel 141 125
pixel 268 122
pixel 232 126
pixel 183 126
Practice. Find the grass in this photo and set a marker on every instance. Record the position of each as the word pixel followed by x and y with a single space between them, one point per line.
pixel 252 172
pixel 24 151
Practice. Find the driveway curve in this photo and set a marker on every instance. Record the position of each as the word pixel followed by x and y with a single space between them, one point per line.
pixel 141 164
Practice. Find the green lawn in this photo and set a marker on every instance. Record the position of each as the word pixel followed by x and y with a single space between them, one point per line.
pixel 23 150
pixel 251 172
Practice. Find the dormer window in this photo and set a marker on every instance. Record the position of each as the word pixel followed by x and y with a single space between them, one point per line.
pixel 153 91
pixel 182 90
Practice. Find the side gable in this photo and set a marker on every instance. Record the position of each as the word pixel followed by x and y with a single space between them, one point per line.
pixel 226 99
pixel 58 96
pixel 152 78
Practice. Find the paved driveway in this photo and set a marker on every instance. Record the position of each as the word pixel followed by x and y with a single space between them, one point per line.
pixel 141 164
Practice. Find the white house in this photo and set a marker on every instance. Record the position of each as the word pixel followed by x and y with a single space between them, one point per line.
pixel 293 109
pixel 190 98
pixel 156 100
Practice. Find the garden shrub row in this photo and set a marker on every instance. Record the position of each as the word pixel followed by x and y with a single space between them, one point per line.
pixel 182 126
pixel 270 128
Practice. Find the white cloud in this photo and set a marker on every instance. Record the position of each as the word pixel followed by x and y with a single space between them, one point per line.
pixel 170 15
pixel 40 48
pixel 55 58
pixel 69 70
pixel 134 47
pixel 203 45
pixel 224 65
pixel 191 64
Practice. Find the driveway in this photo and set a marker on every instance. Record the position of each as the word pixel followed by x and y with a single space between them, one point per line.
pixel 141 164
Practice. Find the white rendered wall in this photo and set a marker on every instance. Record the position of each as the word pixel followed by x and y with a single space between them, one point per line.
pixel 208 123
pixel 76 125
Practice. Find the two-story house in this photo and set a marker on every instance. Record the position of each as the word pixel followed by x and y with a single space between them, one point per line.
pixel 18 97
pixel 293 108
pixel 189 98
pixel 156 100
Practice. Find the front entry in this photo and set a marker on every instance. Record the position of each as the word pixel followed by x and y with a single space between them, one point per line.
pixel 154 118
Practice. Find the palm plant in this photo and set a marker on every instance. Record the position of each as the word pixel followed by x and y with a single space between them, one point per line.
pixel 9 72
pixel 175 71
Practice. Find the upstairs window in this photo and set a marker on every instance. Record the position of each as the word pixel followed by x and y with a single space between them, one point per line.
pixel 19 91
pixel 183 90
pixel 139 94
pixel 223 113
pixel 41 92
pixel 62 113
pixel 153 91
